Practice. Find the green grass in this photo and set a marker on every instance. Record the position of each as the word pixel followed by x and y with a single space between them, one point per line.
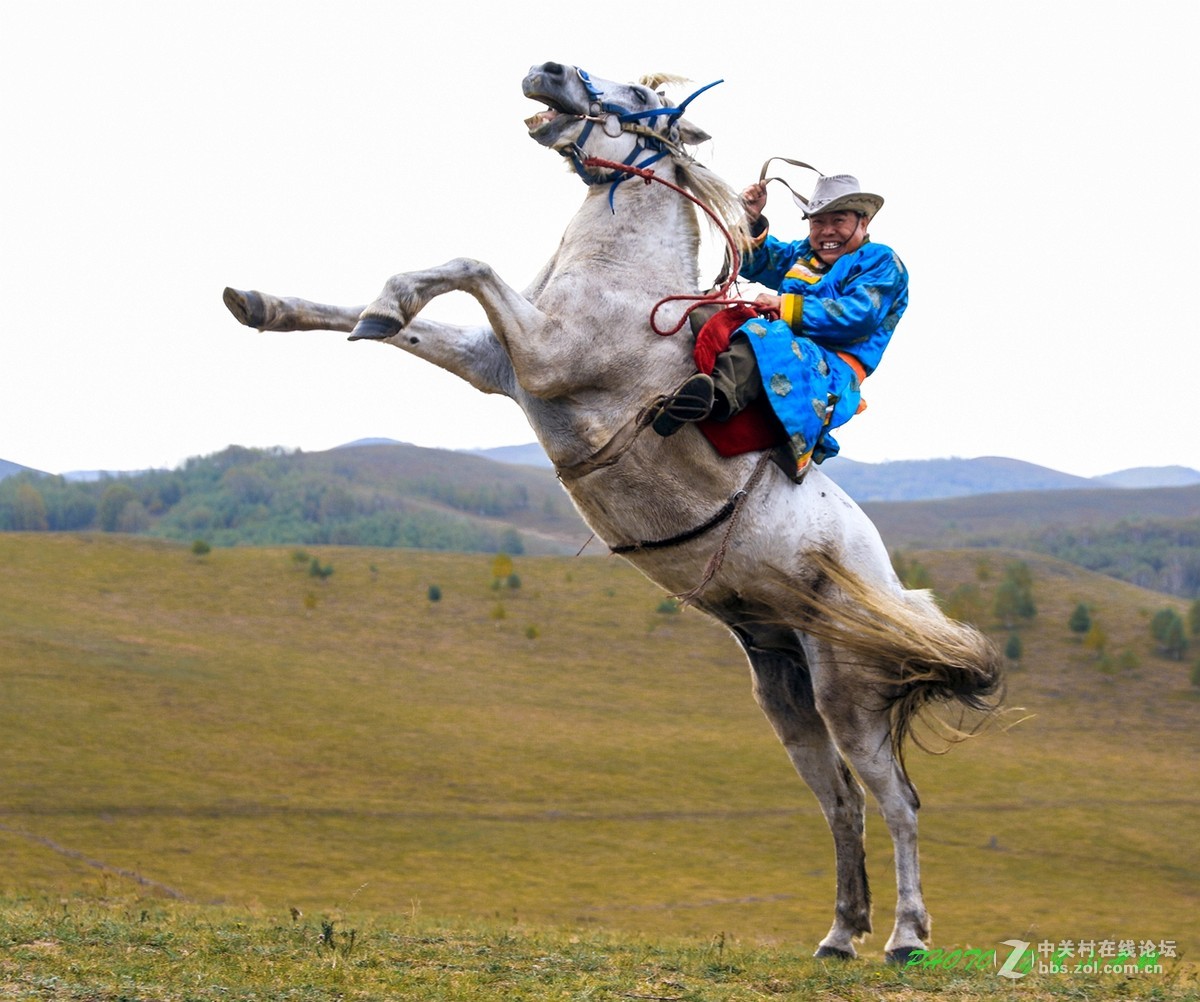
pixel 121 950
pixel 245 737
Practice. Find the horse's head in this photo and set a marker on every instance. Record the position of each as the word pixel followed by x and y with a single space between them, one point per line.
pixel 587 117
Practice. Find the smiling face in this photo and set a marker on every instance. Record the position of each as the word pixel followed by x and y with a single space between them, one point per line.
pixel 835 234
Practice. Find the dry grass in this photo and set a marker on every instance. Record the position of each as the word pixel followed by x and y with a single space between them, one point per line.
pixel 241 733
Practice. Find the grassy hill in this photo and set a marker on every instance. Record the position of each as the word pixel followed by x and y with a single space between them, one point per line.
pixel 999 519
pixel 390 494
pixel 1149 537
pixel 376 495
pixel 228 729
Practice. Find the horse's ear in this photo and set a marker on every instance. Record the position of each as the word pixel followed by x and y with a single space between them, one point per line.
pixel 691 134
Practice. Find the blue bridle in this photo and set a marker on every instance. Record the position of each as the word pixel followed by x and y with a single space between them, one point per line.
pixel 655 145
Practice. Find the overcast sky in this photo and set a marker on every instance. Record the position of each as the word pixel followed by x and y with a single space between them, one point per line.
pixel 1032 155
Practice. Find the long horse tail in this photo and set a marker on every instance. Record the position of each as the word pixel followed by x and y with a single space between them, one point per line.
pixel 909 652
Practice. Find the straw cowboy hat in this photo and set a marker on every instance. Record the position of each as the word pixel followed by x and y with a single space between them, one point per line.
pixel 841 193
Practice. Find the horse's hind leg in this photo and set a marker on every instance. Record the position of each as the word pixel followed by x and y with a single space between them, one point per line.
pixel 783 690
pixel 863 733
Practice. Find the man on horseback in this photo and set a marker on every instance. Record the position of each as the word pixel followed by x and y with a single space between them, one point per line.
pixel 838 299
pixel 843 656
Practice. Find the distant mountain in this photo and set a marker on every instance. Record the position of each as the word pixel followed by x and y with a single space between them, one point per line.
pixel 8 469
pixel 1151 476
pixel 898 480
pixel 368 441
pixel 926 479
pixel 921 479
pixel 91 476
pixel 530 454
pixel 520 455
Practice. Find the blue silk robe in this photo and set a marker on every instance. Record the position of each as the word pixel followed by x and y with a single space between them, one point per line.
pixel 835 323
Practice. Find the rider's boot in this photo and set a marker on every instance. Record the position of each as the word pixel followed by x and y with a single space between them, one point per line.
pixel 692 402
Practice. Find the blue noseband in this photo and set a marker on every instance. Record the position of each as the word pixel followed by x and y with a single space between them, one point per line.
pixel 655 146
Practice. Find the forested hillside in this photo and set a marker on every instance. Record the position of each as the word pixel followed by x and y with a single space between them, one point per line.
pixel 1146 537
pixel 1156 553
pixel 393 495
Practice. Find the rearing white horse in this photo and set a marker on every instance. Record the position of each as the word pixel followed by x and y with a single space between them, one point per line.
pixel 842 656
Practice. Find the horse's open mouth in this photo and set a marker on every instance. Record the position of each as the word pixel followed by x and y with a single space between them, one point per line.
pixel 542 118
pixel 549 123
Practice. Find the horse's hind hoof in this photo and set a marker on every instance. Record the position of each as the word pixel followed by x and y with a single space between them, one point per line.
pixel 374 329
pixel 247 307
pixel 833 953
pixel 902 955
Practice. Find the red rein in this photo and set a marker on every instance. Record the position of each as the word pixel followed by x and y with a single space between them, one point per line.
pixel 717 298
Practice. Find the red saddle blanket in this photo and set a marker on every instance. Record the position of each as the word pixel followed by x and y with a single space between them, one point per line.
pixel 749 430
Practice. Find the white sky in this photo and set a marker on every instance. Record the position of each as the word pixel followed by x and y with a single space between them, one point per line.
pixel 1032 155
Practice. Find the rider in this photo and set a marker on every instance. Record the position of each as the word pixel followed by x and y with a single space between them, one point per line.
pixel 839 298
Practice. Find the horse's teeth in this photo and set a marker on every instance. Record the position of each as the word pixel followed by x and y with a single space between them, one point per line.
pixel 541 118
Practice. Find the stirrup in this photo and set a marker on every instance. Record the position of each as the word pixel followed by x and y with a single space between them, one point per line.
pixel 692 402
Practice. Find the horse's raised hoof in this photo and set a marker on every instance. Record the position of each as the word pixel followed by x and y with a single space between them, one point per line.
pixel 248 307
pixel 833 953
pixel 374 329
pixel 902 954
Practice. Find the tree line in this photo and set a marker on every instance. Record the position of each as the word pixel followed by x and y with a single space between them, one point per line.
pixel 1159 554
pixel 264 497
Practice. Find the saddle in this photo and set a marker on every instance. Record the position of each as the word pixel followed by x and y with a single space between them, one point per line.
pixel 750 430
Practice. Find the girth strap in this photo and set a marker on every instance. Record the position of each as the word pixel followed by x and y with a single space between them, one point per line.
pixel 730 512
pixel 683 537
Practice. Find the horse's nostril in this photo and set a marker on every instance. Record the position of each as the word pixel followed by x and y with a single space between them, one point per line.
pixel 553 69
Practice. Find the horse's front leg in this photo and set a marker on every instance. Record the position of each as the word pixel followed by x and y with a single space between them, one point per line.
pixel 471 353
pixel 272 313
pixel 541 360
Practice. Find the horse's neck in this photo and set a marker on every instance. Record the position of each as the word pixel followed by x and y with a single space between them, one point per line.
pixel 614 264
pixel 610 270
pixel 647 228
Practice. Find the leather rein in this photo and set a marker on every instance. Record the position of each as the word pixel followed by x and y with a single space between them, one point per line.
pixel 615 448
